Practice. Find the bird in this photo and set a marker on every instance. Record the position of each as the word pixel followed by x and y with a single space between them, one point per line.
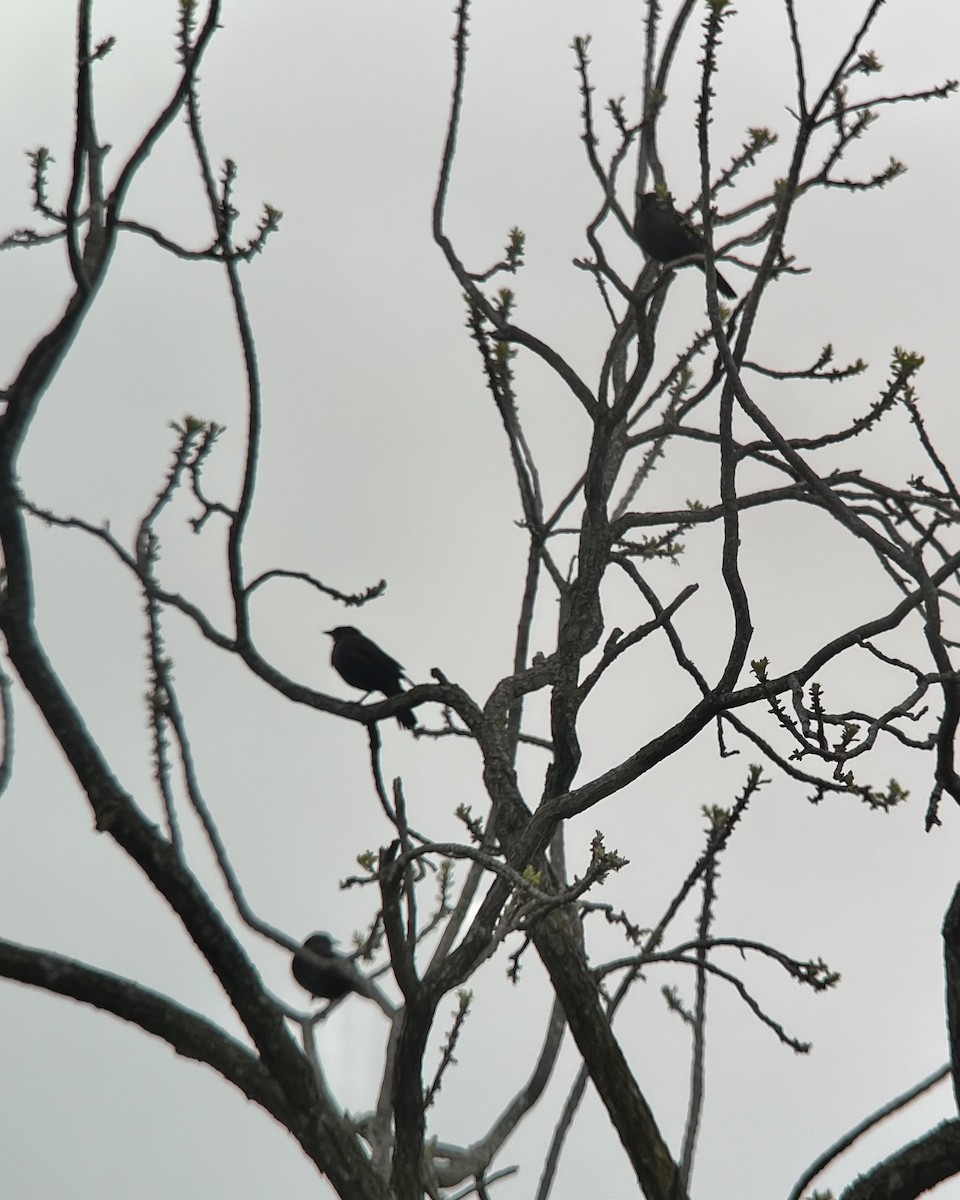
pixel 362 664
pixel 325 973
pixel 666 235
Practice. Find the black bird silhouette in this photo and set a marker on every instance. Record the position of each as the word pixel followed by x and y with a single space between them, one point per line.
pixel 666 235
pixel 362 664
pixel 325 973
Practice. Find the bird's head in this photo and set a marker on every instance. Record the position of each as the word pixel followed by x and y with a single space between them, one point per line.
pixel 341 631
pixel 320 943
pixel 656 200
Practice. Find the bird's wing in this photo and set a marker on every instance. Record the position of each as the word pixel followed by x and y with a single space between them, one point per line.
pixel 379 658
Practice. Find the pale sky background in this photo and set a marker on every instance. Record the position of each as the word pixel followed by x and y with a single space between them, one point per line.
pixel 383 456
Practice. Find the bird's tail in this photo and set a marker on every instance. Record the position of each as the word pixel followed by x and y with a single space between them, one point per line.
pixel 724 288
pixel 406 719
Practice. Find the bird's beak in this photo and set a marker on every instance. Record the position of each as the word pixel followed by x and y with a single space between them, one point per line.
pixel 328 632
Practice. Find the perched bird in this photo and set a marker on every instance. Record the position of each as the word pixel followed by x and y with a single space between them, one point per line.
pixel 362 664
pixel 323 972
pixel 666 235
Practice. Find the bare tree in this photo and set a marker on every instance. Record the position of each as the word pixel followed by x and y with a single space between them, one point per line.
pixel 440 909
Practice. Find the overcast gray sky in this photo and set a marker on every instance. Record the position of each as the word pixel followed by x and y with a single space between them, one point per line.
pixel 383 457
